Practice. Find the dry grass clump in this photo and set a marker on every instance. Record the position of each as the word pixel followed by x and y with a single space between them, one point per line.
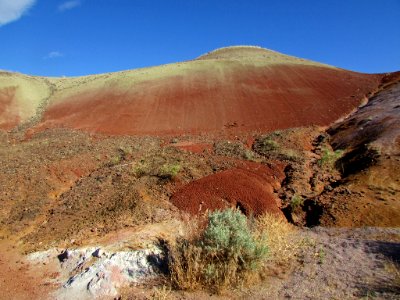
pixel 393 268
pixel 279 237
pixel 161 293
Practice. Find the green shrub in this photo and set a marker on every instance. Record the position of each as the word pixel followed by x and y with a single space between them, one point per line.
pixel 268 145
pixel 169 171
pixel 141 168
pixel 296 201
pixel 329 157
pixel 290 155
pixel 164 170
pixel 115 160
pixel 228 235
pixel 248 154
pixel 223 255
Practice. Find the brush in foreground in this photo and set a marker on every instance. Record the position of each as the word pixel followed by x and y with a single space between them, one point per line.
pixel 223 255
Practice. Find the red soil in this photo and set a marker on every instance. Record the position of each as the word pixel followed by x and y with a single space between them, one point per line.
pixel 241 98
pixel 249 187
pixel 8 120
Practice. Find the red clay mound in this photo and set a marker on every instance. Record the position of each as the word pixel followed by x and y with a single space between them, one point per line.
pixel 238 97
pixel 250 188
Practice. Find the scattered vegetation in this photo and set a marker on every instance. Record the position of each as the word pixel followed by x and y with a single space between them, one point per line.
pixel 248 154
pixel 270 146
pixel 162 293
pixel 115 160
pixel 235 149
pixel 122 153
pixel 393 268
pixel 160 164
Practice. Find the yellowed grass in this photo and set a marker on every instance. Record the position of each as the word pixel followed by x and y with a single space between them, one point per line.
pixel 393 268
pixel 161 293
pixel 256 55
pixel 186 264
pixel 278 234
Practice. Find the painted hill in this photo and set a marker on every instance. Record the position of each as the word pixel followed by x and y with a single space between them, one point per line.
pixel 87 207
pixel 242 87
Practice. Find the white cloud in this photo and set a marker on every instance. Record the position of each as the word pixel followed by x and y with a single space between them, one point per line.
pixel 12 10
pixel 54 54
pixel 69 5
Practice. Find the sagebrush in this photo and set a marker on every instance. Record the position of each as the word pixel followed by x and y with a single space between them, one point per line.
pixel 223 255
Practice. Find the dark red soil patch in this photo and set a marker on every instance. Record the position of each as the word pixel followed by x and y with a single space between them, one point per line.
pixel 239 99
pixel 249 187
pixel 7 119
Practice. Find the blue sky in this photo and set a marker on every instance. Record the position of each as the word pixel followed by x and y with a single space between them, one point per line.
pixel 80 37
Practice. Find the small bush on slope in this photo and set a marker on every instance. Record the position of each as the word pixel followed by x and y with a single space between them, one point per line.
pixel 221 256
pixel 162 166
pixel 272 146
pixel 234 149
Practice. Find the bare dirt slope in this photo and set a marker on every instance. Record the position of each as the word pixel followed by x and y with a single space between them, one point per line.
pixel 370 165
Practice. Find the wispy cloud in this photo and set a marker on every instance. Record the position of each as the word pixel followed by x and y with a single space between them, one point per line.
pixel 69 5
pixel 53 54
pixel 12 10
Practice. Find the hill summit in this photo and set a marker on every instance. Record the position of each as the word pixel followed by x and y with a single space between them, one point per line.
pixel 255 53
